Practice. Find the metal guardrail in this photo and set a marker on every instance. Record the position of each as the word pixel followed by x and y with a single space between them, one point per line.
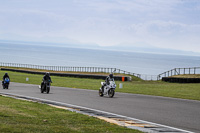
pixel 179 71
pixel 79 69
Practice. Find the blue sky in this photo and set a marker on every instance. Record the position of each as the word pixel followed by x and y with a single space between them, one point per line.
pixel 172 24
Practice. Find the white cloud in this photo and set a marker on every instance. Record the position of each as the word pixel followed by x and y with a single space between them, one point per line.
pixel 168 34
pixel 169 24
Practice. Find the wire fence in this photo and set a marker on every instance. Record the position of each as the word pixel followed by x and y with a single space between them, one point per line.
pixel 179 71
pixel 149 77
pixel 79 69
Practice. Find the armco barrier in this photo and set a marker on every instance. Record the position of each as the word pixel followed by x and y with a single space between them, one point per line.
pixel 181 80
pixel 119 78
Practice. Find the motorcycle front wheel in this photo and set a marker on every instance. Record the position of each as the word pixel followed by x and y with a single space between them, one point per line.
pixel 48 89
pixel 111 93
pixel 6 86
pixel 42 89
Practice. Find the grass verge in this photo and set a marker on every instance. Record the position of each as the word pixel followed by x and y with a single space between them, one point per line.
pixel 156 88
pixel 18 116
pixel 187 76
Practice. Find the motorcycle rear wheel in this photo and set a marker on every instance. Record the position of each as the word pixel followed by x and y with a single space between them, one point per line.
pixel 100 93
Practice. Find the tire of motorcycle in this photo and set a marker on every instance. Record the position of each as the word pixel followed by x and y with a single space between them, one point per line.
pixel 111 93
pixel 48 89
pixel 42 89
pixel 100 93
pixel 6 86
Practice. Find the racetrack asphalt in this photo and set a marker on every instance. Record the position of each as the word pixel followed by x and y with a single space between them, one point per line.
pixel 178 113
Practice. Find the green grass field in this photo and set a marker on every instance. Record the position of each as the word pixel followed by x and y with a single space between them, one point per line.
pixel 156 88
pixel 18 116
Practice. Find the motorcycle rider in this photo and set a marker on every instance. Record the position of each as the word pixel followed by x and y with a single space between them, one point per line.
pixel 4 77
pixel 46 78
pixel 107 81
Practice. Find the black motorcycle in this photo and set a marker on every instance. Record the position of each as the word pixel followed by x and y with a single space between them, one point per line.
pixel 46 87
pixel 6 83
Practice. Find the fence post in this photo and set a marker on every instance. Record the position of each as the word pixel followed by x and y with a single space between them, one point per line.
pixel 158 77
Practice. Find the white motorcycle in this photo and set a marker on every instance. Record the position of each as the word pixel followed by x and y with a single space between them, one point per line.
pixel 108 89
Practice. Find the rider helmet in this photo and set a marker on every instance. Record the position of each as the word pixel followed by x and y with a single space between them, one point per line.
pixel 47 74
pixel 111 75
